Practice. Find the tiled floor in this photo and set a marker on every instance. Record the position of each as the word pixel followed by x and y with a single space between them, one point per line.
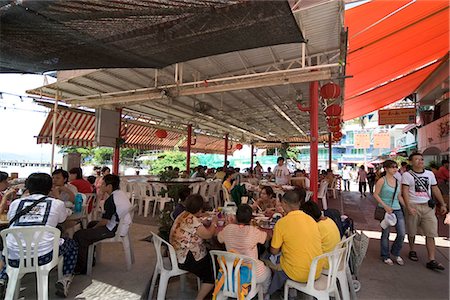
pixel 413 281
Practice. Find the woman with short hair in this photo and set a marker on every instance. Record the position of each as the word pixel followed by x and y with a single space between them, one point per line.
pixel 187 236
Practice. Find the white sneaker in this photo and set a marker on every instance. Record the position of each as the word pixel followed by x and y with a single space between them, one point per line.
pixel 388 261
pixel 399 261
pixel 62 286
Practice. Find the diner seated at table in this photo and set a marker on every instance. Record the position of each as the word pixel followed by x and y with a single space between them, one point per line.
pixel 62 189
pixel 116 209
pixel 243 238
pixel 267 201
pixel 183 193
pixel 220 174
pixel 48 212
pixel 76 178
pixel 301 180
pixel 297 237
pixel 7 194
pixel 187 236
pixel 328 229
pixel 229 182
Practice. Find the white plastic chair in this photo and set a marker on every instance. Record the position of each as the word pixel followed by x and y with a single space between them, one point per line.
pixel 137 195
pixel 332 188
pixel 161 200
pixel 195 187
pixel 226 196
pixel 151 197
pixel 124 239
pixel 308 195
pixel 324 286
pixel 213 193
pixel 343 273
pixel 166 267
pixel 322 194
pixel 26 238
pixel 230 287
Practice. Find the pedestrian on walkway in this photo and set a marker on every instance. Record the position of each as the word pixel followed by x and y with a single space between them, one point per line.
pixel 346 177
pixel 388 195
pixel 362 179
pixel 371 179
pixel 418 185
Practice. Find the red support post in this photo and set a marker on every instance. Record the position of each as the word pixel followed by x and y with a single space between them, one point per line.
pixel 330 151
pixel 252 148
pixel 188 150
pixel 314 120
pixel 226 152
pixel 116 154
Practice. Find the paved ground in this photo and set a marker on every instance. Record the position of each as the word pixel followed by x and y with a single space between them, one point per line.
pixel 378 281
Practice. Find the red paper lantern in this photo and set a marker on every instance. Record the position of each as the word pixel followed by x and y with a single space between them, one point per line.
pixel 335 128
pixel 337 134
pixel 333 121
pixel 161 133
pixel 239 146
pixel 333 110
pixel 330 91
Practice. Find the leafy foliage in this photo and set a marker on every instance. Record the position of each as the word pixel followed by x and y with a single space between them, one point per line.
pixel 101 155
pixel 170 158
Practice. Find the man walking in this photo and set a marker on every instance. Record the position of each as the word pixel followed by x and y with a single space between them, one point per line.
pixel 418 186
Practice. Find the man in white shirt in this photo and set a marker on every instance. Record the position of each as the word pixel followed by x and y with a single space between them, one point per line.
pixel 116 209
pixel 417 187
pixel 281 172
pixel 48 212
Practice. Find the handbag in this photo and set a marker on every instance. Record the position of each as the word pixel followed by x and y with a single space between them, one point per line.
pixel 431 202
pixel 379 210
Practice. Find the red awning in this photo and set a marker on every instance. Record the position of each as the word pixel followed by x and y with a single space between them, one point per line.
pixel 77 128
pixel 389 40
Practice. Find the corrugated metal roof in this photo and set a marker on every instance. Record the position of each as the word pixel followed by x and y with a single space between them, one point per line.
pixel 247 114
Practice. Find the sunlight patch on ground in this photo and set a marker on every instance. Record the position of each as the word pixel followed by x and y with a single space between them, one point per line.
pixel 98 290
pixel 420 240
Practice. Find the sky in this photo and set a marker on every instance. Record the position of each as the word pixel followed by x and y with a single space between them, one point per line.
pixel 22 119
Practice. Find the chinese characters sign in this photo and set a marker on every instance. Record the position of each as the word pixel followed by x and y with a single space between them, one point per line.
pixel 397 116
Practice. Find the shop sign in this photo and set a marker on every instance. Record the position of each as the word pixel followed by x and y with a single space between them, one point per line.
pixel 397 116
pixel 381 140
pixel 362 140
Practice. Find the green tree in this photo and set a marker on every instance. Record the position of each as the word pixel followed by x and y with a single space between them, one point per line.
pixel 86 153
pixel 103 155
pixel 170 158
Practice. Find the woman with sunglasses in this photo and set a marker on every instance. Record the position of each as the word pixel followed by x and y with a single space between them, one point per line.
pixel 388 195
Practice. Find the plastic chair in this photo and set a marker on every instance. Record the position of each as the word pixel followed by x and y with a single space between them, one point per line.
pixel 324 286
pixel 161 200
pixel 308 195
pixel 151 197
pixel 165 267
pixel 230 287
pixel 195 187
pixel 332 188
pixel 343 273
pixel 322 194
pixel 226 196
pixel 124 239
pixel 213 193
pixel 26 238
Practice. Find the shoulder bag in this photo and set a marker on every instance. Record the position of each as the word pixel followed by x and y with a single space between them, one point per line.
pixel 26 210
pixel 379 210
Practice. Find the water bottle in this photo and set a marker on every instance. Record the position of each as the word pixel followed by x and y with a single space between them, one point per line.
pixel 78 203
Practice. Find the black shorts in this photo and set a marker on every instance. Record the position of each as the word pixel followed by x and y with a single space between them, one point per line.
pixel 202 268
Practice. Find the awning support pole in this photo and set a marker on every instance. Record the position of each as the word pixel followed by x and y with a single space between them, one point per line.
pixel 314 120
pixel 330 157
pixel 188 150
pixel 226 152
pixel 55 120
pixel 116 154
pixel 252 148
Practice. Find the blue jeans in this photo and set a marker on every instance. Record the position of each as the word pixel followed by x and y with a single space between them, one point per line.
pixel 398 243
